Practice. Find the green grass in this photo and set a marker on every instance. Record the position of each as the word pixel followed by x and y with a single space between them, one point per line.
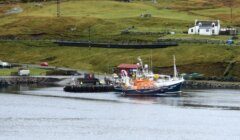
pixel 106 18
pixel 222 13
pixel 33 71
pixel 98 59
pixel 183 36
pixel 7 72
pixel 107 10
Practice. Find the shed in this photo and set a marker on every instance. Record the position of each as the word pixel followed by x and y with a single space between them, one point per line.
pixel 130 68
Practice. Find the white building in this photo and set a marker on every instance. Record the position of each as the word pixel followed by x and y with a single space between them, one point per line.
pixel 205 27
pixel 4 64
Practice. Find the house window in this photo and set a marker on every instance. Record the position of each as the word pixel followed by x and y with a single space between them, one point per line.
pixel 207 30
pixel 198 30
pixel 200 24
pixel 192 30
pixel 213 24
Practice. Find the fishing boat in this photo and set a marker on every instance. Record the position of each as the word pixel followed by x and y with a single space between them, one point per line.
pixel 146 83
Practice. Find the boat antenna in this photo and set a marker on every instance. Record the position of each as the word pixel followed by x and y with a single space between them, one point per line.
pixel 151 61
pixel 140 61
pixel 174 66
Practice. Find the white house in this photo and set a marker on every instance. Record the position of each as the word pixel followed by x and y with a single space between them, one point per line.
pixel 4 64
pixel 205 27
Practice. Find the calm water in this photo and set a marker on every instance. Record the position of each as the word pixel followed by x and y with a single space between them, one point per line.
pixel 33 113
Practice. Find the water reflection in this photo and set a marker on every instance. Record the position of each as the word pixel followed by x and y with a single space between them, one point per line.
pixel 21 87
pixel 212 99
pixel 217 99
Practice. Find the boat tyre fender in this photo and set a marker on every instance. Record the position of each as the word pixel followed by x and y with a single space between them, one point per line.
pixel 162 90
pixel 123 93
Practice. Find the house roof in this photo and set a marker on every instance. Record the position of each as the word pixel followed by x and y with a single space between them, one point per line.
pixel 128 66
pixel 207 23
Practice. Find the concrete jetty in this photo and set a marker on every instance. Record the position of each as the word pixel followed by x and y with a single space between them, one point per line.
pixel 15 80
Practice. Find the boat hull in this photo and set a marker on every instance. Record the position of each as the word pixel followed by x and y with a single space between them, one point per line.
pixel 164 90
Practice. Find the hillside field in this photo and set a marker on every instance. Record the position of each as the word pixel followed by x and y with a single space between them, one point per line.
pixel 106 19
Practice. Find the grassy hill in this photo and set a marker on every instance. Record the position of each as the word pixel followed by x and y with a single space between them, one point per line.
pixel 210 60
pixel 107 19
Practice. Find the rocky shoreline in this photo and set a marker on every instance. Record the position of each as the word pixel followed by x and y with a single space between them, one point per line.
pixel 188 84
pixel 15 80
pixel 203 84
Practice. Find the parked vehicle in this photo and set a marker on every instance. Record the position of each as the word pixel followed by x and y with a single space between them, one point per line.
pixel 23 72
pixel 4 64
pixel 230 42
pixel 44 64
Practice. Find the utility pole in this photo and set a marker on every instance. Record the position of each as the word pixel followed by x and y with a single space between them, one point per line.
pixel 89 37
pixel 231 13
pixel 229 4
pixel 58 8
pixel 154 1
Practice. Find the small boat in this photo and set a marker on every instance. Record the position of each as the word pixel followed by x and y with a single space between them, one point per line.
pixel 88 84
pixel 145 83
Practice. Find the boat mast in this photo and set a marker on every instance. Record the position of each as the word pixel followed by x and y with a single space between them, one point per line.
pixel 141 65
pixel 140 61
pixel 151 61
pixel 174 67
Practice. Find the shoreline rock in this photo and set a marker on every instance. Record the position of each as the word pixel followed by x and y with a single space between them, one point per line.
pixel 188 84
pixel 203 84
pixel 7 81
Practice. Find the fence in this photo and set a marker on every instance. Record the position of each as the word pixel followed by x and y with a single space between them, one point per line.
pixel 195 41
pixel 126 45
